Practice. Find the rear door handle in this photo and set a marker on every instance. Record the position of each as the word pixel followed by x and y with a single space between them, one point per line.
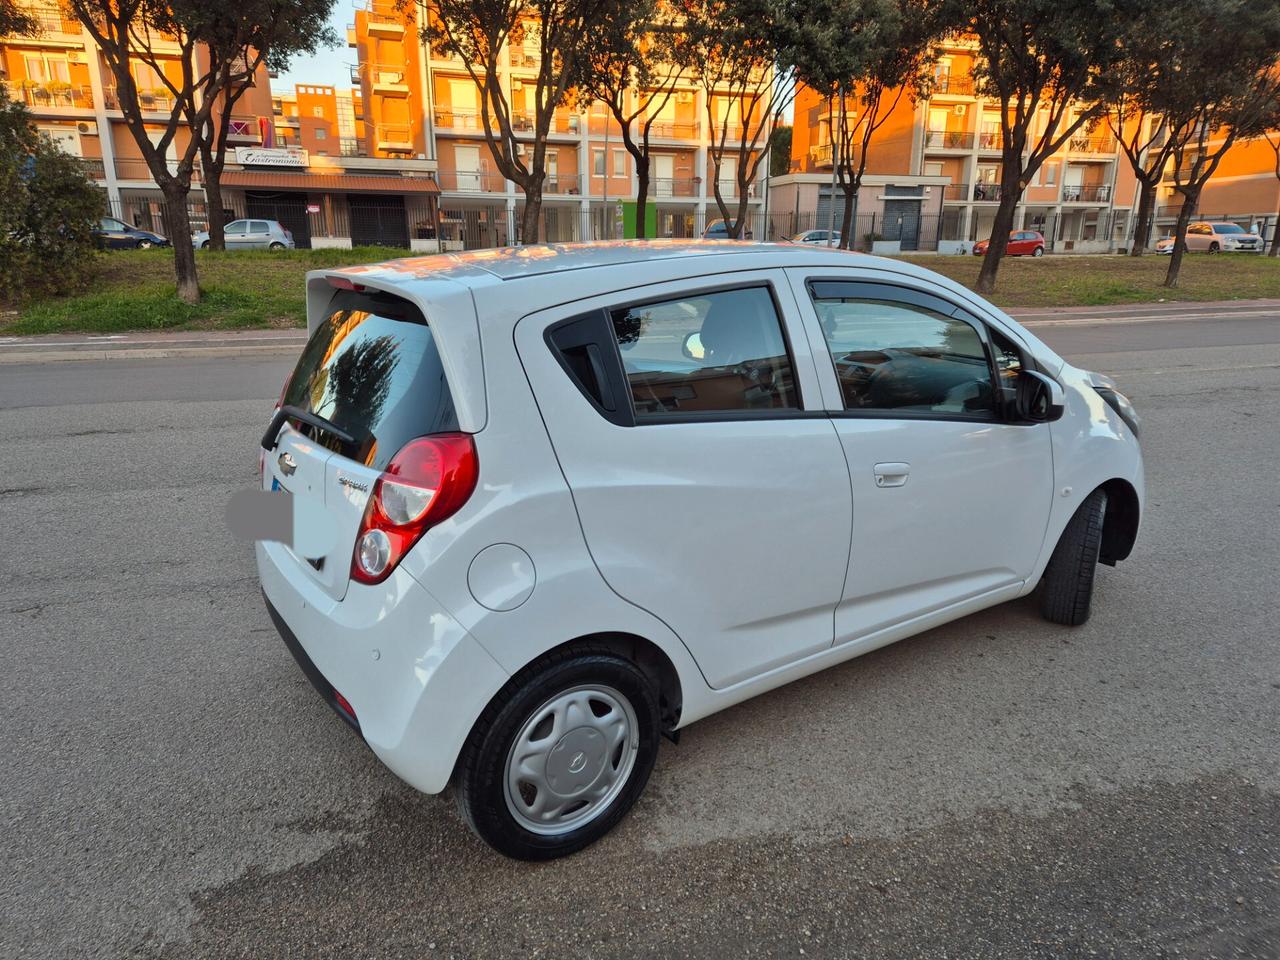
pixel 891 474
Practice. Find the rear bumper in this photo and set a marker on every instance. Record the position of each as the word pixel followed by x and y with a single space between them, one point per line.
pixel 415 678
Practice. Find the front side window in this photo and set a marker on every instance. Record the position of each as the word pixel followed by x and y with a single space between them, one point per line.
pixel 235 226
pixel 707 353
pixel 894 356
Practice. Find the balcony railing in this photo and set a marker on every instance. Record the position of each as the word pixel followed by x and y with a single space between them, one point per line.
pixel 130 168
pixel 244 130
pixel 51 94
pixel 677 187
pixel 458 119
pixel 991 140
pixel 820 153
pixel 384 18
pixel 525 59
pixel 954 86
pixel 1086 193
pixel 986 192
pixel 479 181
pixel 395 137
pixel 561 184
pixel 674 129
pixel 948 139
pixel 52 20
pixel 957 191
pixel 522 122
pixel 1091 145
pixel 150 101
pixel 387 78
pixel 93 167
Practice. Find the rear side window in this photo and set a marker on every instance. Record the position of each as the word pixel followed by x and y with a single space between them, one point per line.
pixel 258 226
pixel 372 370
pixel 707 353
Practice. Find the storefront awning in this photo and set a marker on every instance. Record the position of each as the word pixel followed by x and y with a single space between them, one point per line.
pixel 327 182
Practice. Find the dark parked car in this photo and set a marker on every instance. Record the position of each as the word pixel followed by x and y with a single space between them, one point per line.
pixel 113 234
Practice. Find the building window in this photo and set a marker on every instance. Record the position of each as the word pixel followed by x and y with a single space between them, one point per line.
pixel 619 163
pixel 597 163
pixel 318 112
pixel 320 133
pixel 1050 173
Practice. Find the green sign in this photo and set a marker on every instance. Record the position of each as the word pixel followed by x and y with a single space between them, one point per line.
pixel 629 219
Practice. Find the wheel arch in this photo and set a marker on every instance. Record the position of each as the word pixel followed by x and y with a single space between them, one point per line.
pixel 1120 522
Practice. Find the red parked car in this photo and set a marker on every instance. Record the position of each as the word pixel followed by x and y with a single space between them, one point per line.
pixel 1022 243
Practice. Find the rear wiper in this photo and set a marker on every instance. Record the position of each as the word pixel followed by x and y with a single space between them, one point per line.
pixel 288 412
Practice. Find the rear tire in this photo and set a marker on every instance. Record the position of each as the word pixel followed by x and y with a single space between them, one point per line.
pixel 560 754
pixel 276 246
pixel 1067 588
pixel 1038 252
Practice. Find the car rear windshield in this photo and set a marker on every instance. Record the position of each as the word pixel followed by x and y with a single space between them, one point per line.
pixel 373 371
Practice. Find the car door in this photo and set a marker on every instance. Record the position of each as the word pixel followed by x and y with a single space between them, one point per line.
pixel 1198 237
pixel 115 234
pixel 1018 245
pixel 950 500
pixel 259 235
pixel 711 486
pixel 236 234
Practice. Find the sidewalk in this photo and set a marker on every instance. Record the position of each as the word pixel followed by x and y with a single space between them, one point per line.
pixel 236 343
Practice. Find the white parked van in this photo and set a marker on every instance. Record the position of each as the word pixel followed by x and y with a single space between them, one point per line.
pixel 584 496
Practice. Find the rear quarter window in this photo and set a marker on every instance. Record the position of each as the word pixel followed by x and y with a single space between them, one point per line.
pixel 373 370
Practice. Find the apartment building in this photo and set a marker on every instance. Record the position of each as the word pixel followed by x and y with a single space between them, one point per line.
pixel 945 151
pixel 306 157
pixel 1244 189
pixel 428 101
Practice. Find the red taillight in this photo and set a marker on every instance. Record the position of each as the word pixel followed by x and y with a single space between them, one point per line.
pixel 427 482
pixel 344 705
pixel 342 283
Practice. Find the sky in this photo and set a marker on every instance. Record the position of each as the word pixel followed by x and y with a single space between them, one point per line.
pixel 331 66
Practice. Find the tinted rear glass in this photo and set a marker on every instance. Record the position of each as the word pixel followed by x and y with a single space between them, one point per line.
pixel 373 371
pixel 1227 228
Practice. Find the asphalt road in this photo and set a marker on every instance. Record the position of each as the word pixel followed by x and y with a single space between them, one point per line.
pixel 1000 787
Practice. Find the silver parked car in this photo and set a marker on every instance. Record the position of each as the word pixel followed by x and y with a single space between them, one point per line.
pixel 244 234
pixel 1215 238
pixel 821 237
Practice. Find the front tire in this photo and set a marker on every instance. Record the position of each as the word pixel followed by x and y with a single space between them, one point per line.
pixel 1214 248
pixel 1067 588
pixel 560 755
pixel 145 244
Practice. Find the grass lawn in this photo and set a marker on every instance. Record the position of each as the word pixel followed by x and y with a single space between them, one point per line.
pixel 133 289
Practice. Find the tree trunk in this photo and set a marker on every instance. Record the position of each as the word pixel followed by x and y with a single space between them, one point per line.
pixel 531 222
pixel 1142 225
pixel 642 194
pixel 846 218
pixel 1180 240
pixel 213 196
pixel 999 241
pixel 1274 251
pixel 178 223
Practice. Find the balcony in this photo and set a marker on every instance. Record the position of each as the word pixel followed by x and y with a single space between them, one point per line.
pixel 561 184
pixel 93 167
pixel 46 95
pixel 674 130
pixel 947 85
pixel 991 141
pixel 395 138
pixel 1086 193
pixel 986 192
pixel 471 181
pixel 384 20
pixel 957 192
pixel 244 130
pixel 130 168
pixel 660 187
pixel 948 140
pixel 53 20
pixel 387 80
pixel 820 154
pixel 150 101
pixel 1085 144
pixel 524 122
pixel 524 59
pixel 446 119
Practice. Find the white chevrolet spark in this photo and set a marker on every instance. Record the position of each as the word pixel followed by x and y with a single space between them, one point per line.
pixel 580 497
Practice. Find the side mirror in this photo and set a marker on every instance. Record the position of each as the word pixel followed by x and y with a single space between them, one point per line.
pixel 692 347
pixel 1038 399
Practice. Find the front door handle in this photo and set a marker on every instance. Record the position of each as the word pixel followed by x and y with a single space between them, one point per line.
pixel 892 474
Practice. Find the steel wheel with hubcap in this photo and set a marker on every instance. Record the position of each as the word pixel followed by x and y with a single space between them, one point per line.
pixel 561 754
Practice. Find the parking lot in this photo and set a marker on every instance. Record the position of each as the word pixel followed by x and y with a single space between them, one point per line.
pixel 999 787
